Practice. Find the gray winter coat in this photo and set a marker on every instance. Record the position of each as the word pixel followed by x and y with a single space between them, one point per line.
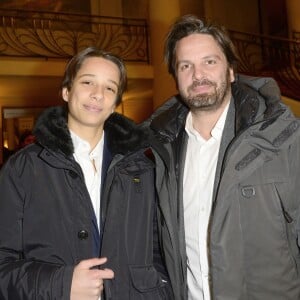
pixel 255 224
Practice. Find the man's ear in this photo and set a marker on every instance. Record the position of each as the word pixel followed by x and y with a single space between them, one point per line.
pixel 113 109
pixel 231 74
pixel 65 94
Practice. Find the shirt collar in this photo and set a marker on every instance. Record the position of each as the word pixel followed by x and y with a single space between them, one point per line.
pixel 216 131
pixel 83 147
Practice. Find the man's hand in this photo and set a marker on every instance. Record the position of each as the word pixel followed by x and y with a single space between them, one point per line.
pixel 87 282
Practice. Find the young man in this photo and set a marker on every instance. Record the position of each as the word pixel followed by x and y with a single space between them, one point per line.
pixel 84 189
pixel 228 167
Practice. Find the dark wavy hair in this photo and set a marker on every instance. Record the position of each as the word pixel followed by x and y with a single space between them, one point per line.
pixel 190 24
pixel 76 62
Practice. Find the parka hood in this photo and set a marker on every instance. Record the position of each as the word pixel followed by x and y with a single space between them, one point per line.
pixel 51 131
pixel 255 99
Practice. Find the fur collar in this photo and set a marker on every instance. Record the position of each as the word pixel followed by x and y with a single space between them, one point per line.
pixel 122 134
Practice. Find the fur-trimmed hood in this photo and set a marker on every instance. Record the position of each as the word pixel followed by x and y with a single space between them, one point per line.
pixel 122 134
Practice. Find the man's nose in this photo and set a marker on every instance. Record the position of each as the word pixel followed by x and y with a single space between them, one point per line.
pixel 198 72
pixel 97 93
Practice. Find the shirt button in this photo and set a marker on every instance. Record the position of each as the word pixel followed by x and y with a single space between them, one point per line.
pixel 83 234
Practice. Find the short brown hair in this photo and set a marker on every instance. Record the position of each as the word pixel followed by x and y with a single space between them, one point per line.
pixel 190 24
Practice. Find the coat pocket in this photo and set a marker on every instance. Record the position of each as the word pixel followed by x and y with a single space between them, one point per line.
pixel 146 282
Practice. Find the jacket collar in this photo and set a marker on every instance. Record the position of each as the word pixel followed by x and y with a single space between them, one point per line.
pixel 122 134
pixel 255 100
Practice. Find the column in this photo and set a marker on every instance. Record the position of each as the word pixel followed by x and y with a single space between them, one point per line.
pixel 293 12
pixel 161 15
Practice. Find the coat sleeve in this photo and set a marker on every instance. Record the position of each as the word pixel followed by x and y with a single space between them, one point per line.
pixel 295 172
pixel 23 277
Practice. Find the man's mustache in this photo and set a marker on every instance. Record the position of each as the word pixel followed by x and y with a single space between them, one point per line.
pixel 202 82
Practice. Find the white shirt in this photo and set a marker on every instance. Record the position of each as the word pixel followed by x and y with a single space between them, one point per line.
pixel 198 181
pixel 91 165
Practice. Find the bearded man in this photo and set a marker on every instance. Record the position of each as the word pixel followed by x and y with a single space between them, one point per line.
pixel 227 156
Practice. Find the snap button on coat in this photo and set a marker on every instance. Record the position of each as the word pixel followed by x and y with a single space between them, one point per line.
pixel 248 191
pixel 83 234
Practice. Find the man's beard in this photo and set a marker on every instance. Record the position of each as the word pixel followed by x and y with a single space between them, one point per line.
pixel 208 101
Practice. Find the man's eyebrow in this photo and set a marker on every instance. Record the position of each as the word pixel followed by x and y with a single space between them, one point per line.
pixel 87 74
pixel 92 75
pixel 183 61
pixel 203 57
pixel 212 56
pixel 114 82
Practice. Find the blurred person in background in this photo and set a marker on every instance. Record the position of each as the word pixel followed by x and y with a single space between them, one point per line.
pixel 26 138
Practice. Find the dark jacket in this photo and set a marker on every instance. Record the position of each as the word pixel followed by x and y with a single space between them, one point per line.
pixel 47 221
pixel 255 222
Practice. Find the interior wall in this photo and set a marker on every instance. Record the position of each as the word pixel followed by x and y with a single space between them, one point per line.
pixel 136 9
pixel 240 15
pixel 111 8
pixel 195 7
pixel 274 18
pixel 293 104
pixel 293 12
